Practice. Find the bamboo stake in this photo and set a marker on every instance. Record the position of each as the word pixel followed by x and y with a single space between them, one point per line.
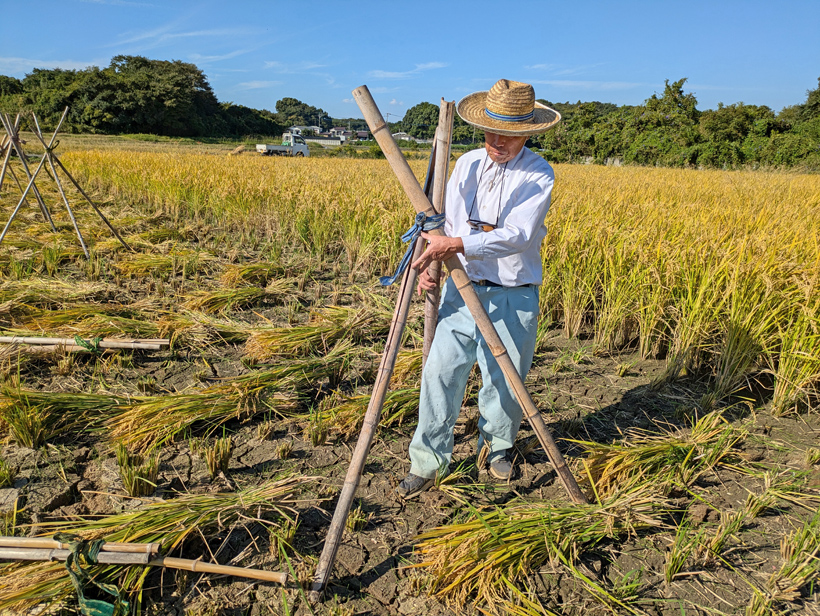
pixel 444 137
pixel 53 159
pixel 371 421
pixel 5 149
pixel 14 134
pixel 120 558
pixel 50 157
pixel 378 128
pixel 31 183
pixel 108 546
pixel 155 344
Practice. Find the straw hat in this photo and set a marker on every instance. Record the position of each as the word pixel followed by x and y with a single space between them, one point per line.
pixel 509 108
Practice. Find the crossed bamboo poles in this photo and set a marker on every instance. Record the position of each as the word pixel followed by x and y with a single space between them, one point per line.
pixel 12 142
pixel 421 202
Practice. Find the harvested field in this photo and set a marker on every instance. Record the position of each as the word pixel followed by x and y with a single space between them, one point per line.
pixel 677 367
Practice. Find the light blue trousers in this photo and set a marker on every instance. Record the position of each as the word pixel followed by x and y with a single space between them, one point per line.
pixel 456 347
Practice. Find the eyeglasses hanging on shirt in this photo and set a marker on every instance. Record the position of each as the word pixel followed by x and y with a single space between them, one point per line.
pixel 480 225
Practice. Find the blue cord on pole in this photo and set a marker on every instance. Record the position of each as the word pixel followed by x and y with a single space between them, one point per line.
pixel 423 222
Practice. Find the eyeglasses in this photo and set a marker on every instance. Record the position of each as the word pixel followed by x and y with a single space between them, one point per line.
pixel 480 225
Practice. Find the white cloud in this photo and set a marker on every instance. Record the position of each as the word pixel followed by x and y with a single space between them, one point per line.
pixel 119 3
pixel 200 58
pixel 257 85
pixel 589 85
pixel 158 36
pixel 297 67
pixel 417 70
pixel 348 100
pixel 10 65
pixel 397 102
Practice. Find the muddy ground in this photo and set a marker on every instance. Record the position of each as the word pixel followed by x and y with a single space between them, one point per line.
pixel 582 396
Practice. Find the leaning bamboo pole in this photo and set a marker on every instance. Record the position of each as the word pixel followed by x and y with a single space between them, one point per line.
pixel 371 418
pixel 444 137
pixel 152 344
pixel 421 203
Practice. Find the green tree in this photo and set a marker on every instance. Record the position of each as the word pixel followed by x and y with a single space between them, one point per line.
pixel 293 112
pixel 421 121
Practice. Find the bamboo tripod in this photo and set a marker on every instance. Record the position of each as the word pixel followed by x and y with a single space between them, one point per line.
pixel 11 142
pixel 422 203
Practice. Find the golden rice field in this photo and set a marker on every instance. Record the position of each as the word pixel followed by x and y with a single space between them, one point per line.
pixel 718 272
pixel 678 366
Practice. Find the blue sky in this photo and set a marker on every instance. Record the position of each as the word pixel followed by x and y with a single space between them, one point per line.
pixel 255 52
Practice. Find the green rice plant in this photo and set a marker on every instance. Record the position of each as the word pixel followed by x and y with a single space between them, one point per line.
pixel 138 471
pixel 38 416
pixel 284 450
pixel 281 537
pixel 800 551
pixel 796 367
pixel 169 523
pixel 812 456
pixel 254 274
pixel 681 549
pixel 153 421
pixel 357 519
pixel 711 544
pixel 347 416
pixel 218 455
pixel 663 460
pixel 7 474
pixel 222 300
pixel 471 559
pixel 326 327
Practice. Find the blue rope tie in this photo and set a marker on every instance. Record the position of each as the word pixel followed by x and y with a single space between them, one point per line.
pixel 423 222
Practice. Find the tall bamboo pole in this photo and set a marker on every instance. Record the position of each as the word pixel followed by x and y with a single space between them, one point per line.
pixel 13 129
pixel 462 282
pixel 371 417
pixel 444 137
pixel 50 157
pixel 32 178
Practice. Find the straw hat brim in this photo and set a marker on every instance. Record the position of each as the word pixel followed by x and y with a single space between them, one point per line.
pixel 472 108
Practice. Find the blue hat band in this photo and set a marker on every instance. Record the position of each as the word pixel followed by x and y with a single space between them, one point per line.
pixel 509 118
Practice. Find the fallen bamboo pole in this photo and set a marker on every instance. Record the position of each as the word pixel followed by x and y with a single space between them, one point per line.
pixel 371 418
pixel 444 137
pixel 45 542
pixel 420 202
pixel 153 344
pixel 130 558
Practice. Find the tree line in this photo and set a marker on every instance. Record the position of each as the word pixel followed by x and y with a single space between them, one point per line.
pixel 134 94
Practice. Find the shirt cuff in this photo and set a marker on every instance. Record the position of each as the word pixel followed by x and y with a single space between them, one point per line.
pixel 473 246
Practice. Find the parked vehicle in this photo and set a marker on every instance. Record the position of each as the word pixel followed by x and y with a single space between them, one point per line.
pixel 292 145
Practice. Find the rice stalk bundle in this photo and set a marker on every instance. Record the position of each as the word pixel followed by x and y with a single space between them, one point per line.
pixel 169 523
pixel 471 560
pixel 348 415
pixel 796 367
pixel 185 262
pixel 222 300
pixel 662 460
pixel 192 329
pixel 21 296
pixel 326 326
pixel 35 417
pixel 151 421
pixel 408 368
pixel 255 274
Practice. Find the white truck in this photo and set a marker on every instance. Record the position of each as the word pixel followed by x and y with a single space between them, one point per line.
pixel 292 145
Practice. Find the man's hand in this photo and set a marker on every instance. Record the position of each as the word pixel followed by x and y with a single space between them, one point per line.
pixel 439 248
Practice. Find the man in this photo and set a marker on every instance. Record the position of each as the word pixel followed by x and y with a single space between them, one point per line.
pixel 496 202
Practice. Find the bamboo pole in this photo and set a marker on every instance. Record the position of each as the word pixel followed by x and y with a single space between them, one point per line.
pixel 14 134
pixel 108 546
pixel 50 156
pixel 31 183
pixel 444 137
pixel 371 418
pixel 145 559
pixel 55 159
pixel 154 344
pixel 378 128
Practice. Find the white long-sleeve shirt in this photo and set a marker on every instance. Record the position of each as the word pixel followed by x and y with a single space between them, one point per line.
pixel 517 195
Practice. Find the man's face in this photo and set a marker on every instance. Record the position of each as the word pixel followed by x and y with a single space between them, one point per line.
pixel 503 148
